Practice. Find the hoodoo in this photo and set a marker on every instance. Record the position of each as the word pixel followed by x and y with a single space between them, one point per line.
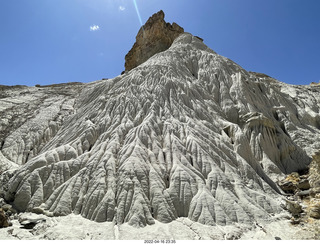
pixel 154 37
pixel 187 135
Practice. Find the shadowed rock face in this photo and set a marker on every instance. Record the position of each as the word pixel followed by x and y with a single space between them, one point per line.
pixel 188 133
pixel 154 37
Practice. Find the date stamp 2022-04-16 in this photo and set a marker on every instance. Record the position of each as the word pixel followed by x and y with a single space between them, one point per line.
pixel 160 242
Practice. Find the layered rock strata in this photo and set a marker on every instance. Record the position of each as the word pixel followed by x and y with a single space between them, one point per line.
pixel 188 133
pixel 303 193
pixel 154 37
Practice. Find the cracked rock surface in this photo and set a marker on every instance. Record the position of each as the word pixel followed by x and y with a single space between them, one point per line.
pixel 155 36
pixel 187 134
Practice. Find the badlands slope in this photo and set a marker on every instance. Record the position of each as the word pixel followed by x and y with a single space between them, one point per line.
pixel 187 134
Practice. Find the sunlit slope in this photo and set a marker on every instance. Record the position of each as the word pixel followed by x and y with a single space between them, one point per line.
pixel 188 133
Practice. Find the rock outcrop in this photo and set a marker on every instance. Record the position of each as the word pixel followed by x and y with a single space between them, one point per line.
pixel 314 173
pixel 314 178
pixel 4 222
pixel 294 183
pixel 188 133
pixel 315 83
pixel 303 195
pixel 154 37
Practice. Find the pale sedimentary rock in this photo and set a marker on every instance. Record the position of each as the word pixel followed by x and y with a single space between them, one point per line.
pixel 188 133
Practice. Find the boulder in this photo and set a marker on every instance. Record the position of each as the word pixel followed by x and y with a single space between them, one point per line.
pixel 290 183
pixel 4 222
pixel 314 191
pixel 303 193
pixel 294 207
pixel 295 221
pixel 30 223
pixel 314 208
pixel 38 210
pixel 6 207
pixel 303 184
pixel 29 220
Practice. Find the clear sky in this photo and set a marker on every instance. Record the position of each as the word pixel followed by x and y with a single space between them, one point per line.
pixel 53 41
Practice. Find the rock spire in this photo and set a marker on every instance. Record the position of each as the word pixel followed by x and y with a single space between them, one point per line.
pixel 154 37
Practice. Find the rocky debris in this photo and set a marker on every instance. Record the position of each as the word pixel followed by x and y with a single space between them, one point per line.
pixel 7 209
pixel 4 220
pixel 187 134
pixel 289 184
pixel 154 37
pixel 314 175
pixel 295 220
pixel 314 191
pixel 293 207
pixel 38 210
pixel 41 210
pixel 314 208
pixel 29 221
pixel 315 83
pixel 303 184
pixel 178 159
pixel 303 193
pixel 295 183
pixel 296 194
pixel 303 200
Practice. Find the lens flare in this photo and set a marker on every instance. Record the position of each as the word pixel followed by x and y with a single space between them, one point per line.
pixel 137 10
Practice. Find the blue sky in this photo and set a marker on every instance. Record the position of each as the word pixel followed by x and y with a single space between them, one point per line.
pixel 53 41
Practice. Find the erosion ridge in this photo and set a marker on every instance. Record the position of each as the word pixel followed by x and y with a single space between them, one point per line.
pixel 188 133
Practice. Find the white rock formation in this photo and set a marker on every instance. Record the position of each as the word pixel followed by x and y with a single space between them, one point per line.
pixel 188 133
pixel 75 227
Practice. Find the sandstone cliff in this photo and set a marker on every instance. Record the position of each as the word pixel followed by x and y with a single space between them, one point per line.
pixel 154 37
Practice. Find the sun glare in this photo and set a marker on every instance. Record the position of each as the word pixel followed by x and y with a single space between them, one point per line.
pixel 137 10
